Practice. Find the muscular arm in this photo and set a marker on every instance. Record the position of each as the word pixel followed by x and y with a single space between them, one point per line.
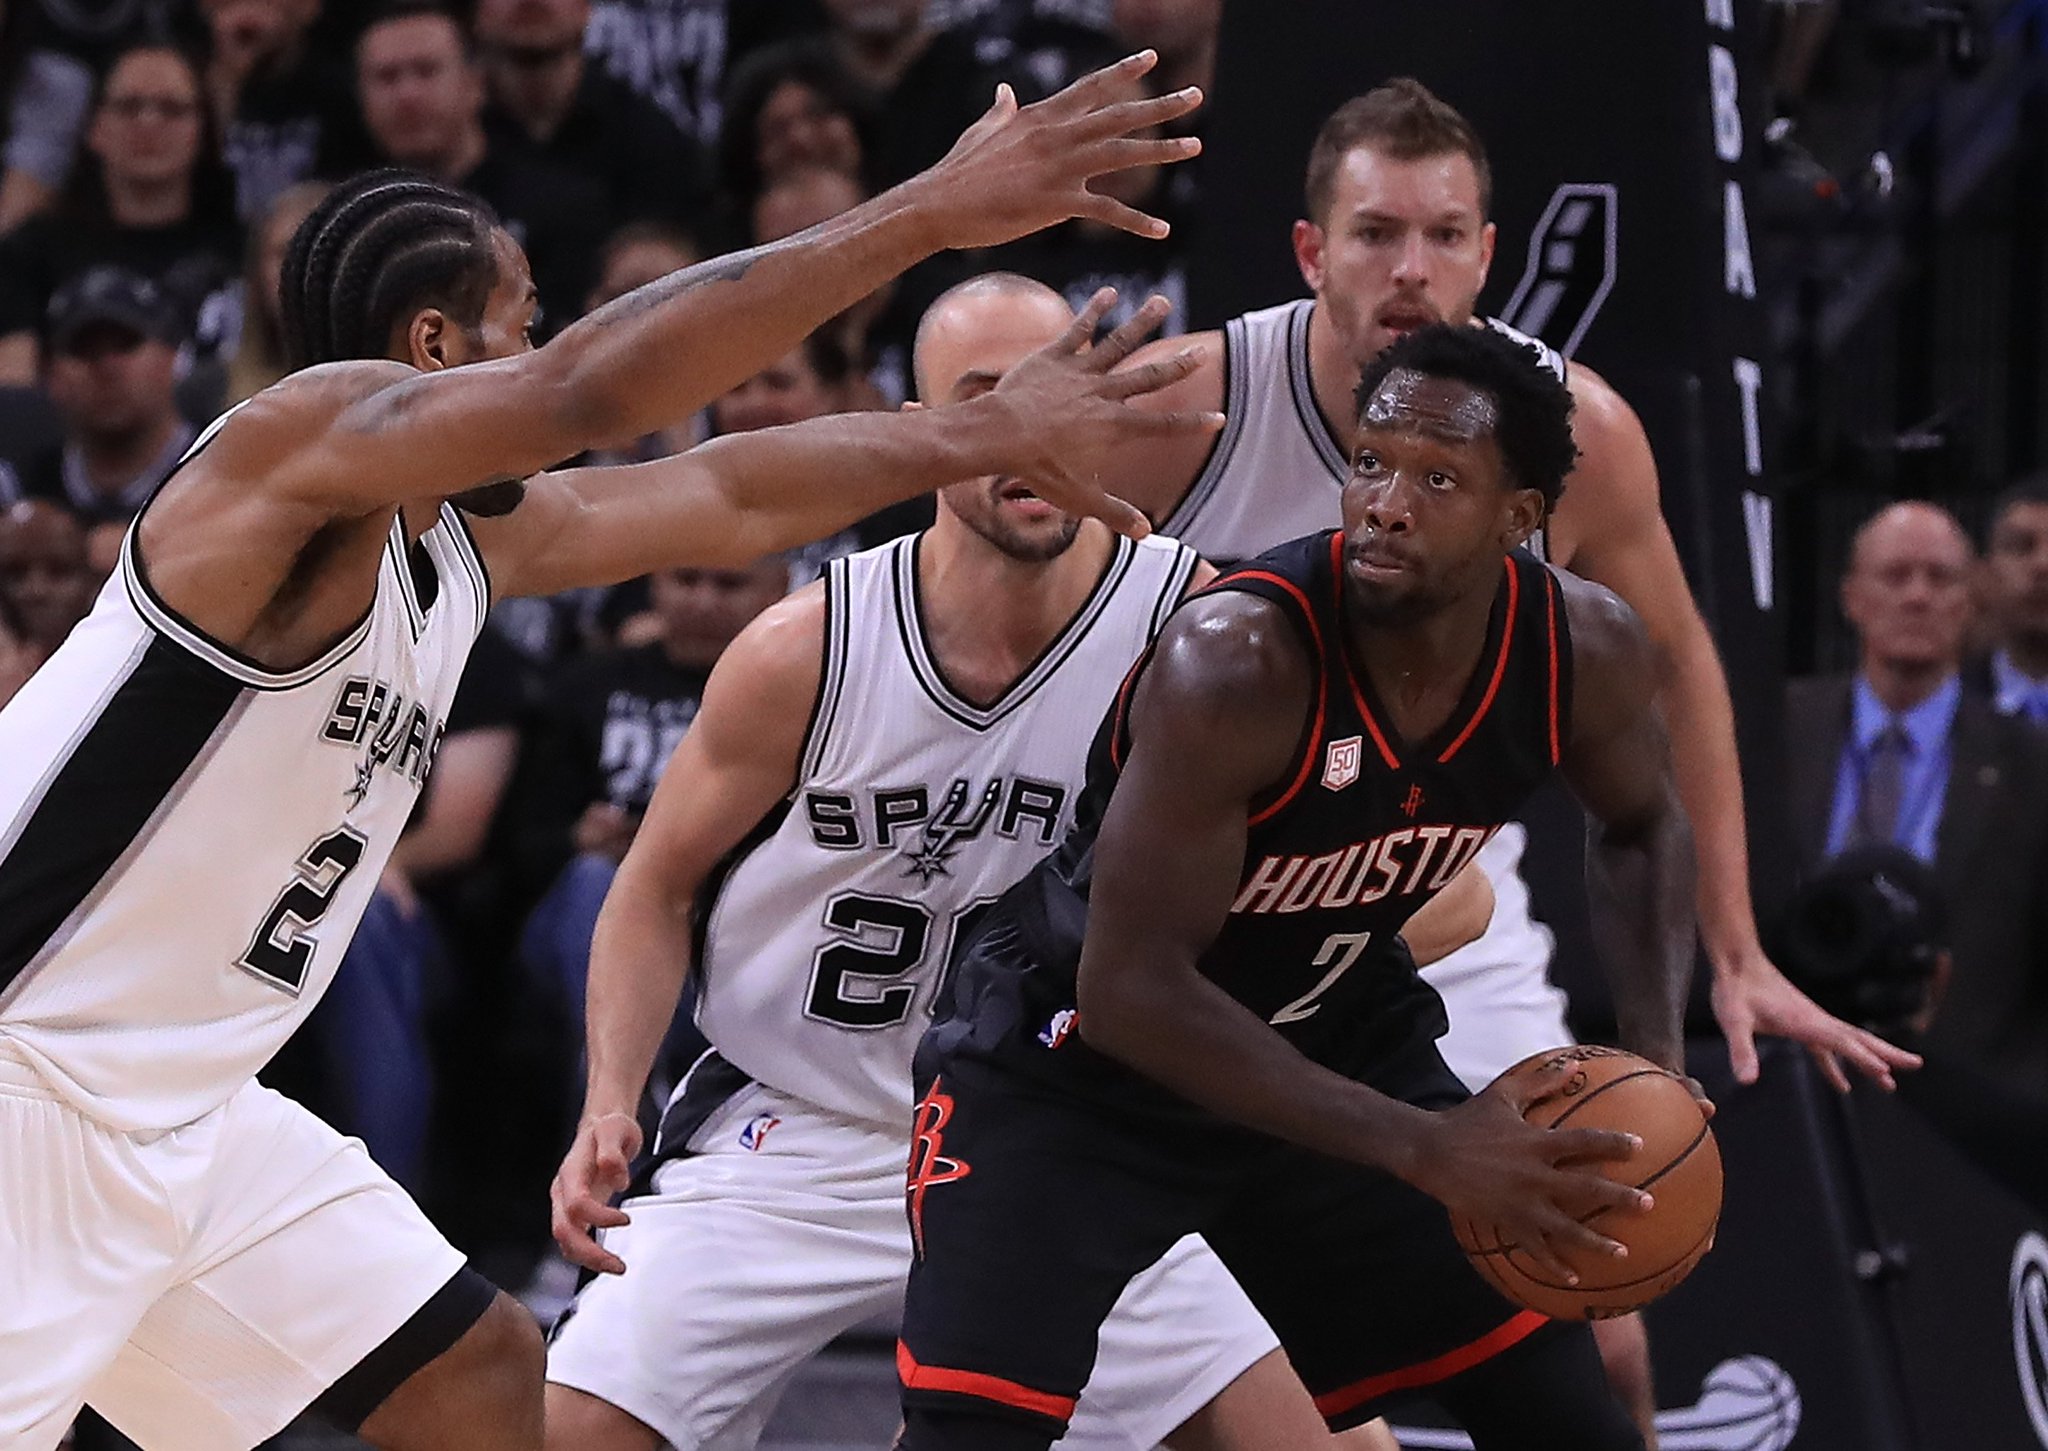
pixel 738 759
pixel 1611 529
pixel 1639 862
pixel 668 348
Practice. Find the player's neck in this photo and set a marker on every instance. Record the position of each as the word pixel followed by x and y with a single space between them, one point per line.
pixel 1333 378
pixel 987 616
pixel 1420 669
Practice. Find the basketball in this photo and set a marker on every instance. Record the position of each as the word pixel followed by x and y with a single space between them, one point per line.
pixel 1679 1164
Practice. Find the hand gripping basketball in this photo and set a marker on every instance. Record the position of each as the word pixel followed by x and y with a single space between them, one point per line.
pixel 1607 1090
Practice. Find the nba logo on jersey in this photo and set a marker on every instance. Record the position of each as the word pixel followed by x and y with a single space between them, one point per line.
pixel 1055 1032
pixel 1340 766
pixel 757 1130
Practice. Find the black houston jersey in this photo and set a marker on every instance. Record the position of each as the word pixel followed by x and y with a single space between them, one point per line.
pixel 1361 831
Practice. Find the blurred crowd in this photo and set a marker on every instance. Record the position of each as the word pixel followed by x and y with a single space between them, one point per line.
pixel 158 156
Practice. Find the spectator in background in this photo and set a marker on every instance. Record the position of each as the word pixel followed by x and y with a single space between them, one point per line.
pixel 878 330
pixel 259 341
pixel 608 727
pixel 45 585
pixel 1080 257
pixel 676 52
pixel 113 376
pixel 52 51
pixel 548 102
pixel 286 109
pixel 2015 583
pixel 148 196
pixel 1182 31
pixel 1901 754
pixel 422 95
pixel 928 86
pixel 790 108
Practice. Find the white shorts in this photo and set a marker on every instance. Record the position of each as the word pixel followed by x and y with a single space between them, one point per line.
pixel 784 1228
pixel 1497 989
pixel 198 1287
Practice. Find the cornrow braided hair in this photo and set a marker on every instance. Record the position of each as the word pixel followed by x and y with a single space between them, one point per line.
pixel 379 248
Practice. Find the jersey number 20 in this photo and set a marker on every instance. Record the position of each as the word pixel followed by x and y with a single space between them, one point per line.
pixel 283 945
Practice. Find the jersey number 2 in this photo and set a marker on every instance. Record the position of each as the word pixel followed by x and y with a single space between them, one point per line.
pixel 283 945
pixel 1339 951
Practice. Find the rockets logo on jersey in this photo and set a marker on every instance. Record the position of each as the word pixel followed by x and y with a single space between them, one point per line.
pixel 1397 863
pixel 393 732
pixel 902 819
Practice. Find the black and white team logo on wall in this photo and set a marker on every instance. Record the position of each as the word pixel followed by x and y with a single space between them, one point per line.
pixel 1571 266
pixel 2030 1327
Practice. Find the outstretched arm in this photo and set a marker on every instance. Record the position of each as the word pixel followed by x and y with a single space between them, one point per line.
pixel 359 436
pixel 738 759
pixel 738 498
pixel 1616 534
pixel 1215 721
pixel 1639 862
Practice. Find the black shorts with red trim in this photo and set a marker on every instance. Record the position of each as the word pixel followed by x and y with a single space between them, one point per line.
pixel 1031 1209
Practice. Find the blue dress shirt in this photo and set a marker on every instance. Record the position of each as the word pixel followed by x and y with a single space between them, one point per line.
pixel 2014 692
pixel 1925 785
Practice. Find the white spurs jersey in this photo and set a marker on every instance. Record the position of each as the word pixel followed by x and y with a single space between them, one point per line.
pixel 187 839
pixel 1276 473
pixel 823 937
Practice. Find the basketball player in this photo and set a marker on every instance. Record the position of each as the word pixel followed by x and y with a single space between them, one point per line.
pixel 1311 748
pixel 1397 237
pixel 199 790
pixel 877 758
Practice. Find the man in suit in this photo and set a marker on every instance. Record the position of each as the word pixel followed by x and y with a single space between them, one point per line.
pixel 1901 752
pixel 2016 599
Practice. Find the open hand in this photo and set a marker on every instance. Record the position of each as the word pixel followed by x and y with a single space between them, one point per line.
pixel 596 1168
pixel 1017 170
pixel 1522 1185
pixel 1067 410
pixel 1754 997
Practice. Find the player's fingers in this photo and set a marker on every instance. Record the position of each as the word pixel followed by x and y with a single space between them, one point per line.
pixel 1113 213
pixel 1177 421
pixel 1590 1146
pixel 1151 377
pixel 1128 336
pixel 1830 1064
pixel 1118 514
pixel 1741 1051
pixel 1081 331
pixel 1091 91
pixel 1117 147
pixel 1699 1096
pixel 1125 118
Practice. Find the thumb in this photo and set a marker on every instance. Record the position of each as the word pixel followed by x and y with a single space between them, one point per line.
pixel 1005 105
pixel 1741 1050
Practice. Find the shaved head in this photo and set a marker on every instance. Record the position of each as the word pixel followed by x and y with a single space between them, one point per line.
pixel 985 316
pixel 1907 592
pixel 1916 525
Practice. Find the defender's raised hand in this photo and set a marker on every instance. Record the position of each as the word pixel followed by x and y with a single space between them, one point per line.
pixel 1069 410
pixel 1017 170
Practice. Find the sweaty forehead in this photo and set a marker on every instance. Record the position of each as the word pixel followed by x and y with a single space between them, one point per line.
pixel 1410 402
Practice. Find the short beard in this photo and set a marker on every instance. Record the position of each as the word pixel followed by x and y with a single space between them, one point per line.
pixel 1023 548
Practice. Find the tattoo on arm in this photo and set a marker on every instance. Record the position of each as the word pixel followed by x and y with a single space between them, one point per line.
pixel 644 299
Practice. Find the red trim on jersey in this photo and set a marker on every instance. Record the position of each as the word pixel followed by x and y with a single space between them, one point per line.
pixel 1123 706
pixel 1550 624
pixel 1430 1372
pixel 917 1377
pixel 1500 666
pixel 1315 735
pixel 1372 726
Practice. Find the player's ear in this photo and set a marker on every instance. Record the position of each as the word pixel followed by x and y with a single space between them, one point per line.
pixel 1308 253
pixel 430 340
pixel 1525 517
pixel 1488 235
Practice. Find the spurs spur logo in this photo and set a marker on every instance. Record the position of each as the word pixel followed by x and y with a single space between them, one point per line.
pixel 2029 1295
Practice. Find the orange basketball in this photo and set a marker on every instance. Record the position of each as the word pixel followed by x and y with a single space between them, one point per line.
pixel 1679 1164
